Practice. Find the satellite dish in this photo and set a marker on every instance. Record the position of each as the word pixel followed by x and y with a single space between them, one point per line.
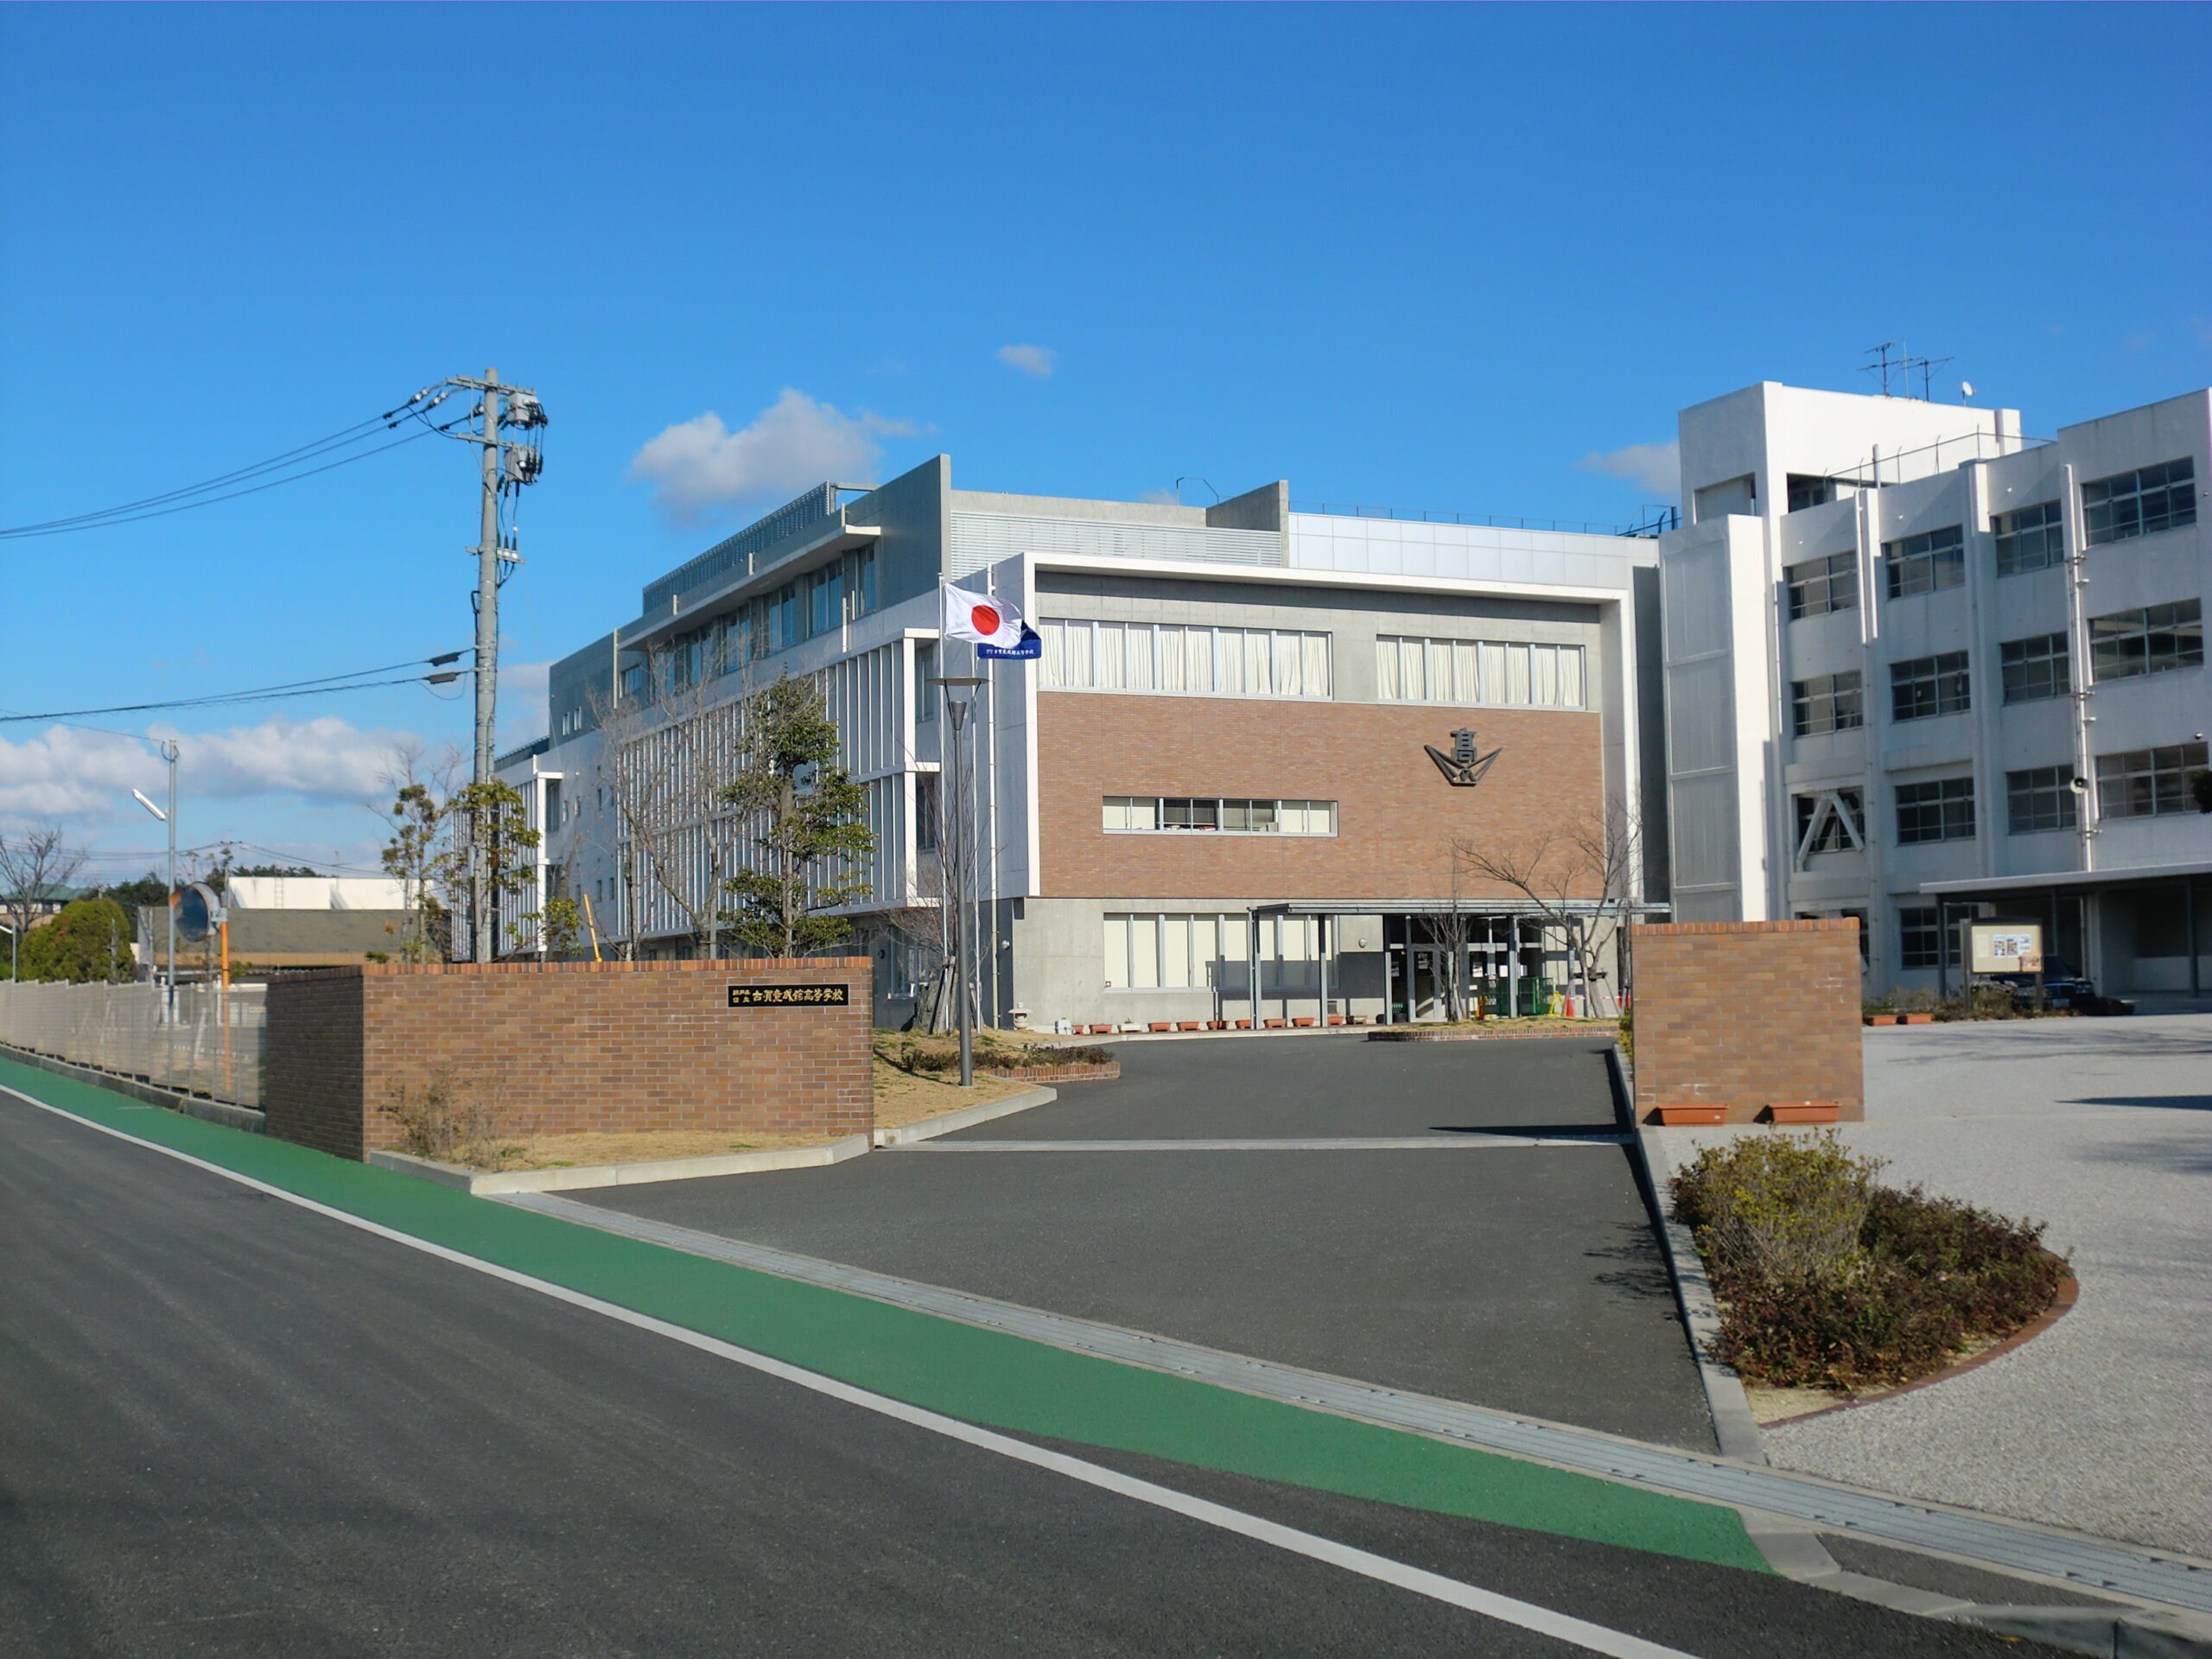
pixel 1967 386
pixel 198 912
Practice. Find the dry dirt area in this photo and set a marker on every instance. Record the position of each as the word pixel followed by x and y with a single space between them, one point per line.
pixel 584 1151
pixel 902 1097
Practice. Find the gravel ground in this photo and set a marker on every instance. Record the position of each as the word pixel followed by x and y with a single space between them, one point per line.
pixel 2103 1128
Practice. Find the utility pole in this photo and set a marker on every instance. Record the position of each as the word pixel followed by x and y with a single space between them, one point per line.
pixel 488 661
pixel 507 465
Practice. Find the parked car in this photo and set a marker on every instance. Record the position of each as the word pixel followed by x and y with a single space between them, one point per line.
pixel 2062 988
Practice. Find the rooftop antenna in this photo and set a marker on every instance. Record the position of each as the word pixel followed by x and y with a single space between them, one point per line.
pixel 1902 365
pixel 1884 364
pixel 1192 478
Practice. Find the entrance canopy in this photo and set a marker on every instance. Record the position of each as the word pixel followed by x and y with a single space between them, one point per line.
pixel 1446 907
pixel 2048 879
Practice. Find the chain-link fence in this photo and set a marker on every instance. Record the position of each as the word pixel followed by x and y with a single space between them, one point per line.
pixel 212 1046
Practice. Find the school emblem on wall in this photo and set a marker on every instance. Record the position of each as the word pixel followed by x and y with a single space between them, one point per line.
pixel 1463 768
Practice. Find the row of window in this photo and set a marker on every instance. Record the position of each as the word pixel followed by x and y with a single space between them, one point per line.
pixel 2139 503
pixel 2132 784
pixel 1139 813
pixel 1176 951
pixel 1479 671
pixel 819 602
pixel 1286 663
pixel 1173 657
pixel 2125 645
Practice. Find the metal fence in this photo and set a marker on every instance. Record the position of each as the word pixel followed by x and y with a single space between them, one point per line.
pixel 213 1046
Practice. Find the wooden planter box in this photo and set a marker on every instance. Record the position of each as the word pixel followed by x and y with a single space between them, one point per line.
pixel 1802 1111
pixel 1917 1019
pixel 1883 1018
pixel 1675 1117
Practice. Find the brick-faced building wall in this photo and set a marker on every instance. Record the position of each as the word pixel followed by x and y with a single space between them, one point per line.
pixel 1396 816
pixel 1746 1013
pixel 570 1047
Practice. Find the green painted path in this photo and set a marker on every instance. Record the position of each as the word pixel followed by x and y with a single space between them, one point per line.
pixel 983 1376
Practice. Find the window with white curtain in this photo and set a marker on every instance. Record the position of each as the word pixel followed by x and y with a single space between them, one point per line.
pixel 1171 952
pixel 1192 660
pixel 1140 813
pixel 1478 672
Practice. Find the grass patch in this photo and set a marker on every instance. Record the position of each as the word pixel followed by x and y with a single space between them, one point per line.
pixel 1827 1279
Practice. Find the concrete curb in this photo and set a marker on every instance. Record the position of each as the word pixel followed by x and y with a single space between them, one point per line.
pixel 210 1111
pixel 905 1135
pixel 591 1175
pixel 1739 1431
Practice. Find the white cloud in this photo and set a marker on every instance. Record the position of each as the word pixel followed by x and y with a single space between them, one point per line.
pixel 1030 359
pixel 523 713
pixel 1656 467
pixel 699 465
pixel 1161 498
pixel 67 773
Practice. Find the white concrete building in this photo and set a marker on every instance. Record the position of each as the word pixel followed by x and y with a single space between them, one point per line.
pixel 1920 667
pixel 1223 792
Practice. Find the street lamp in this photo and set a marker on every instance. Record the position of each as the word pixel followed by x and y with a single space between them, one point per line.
pixel 169 754
pixel 959 698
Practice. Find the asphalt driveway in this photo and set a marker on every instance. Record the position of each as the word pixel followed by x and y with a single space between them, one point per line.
pixel 1520 1277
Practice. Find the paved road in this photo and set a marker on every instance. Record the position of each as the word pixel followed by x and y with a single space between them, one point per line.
pixel 1522 1278
pixel 1296 1087
pixel 238 1428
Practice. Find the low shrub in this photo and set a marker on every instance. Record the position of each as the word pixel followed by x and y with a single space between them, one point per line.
pixel 449 1120
pixel 1805 1306
pixel 1776 1206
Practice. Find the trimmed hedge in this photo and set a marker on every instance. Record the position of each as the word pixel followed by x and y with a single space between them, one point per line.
pixel 1923 1277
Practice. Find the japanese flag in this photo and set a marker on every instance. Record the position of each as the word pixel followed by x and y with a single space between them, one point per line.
pixel 982 620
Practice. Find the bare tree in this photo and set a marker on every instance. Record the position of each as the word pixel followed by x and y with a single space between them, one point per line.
pixel 1580 878
pixel 420 786
pixel 1453 929
pixel 36 866
pixel 666 749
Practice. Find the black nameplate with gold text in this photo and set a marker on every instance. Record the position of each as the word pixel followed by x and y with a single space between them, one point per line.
pixel 790 996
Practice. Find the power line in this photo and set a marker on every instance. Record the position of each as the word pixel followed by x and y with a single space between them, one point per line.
pixel 203 493
pixel 324 687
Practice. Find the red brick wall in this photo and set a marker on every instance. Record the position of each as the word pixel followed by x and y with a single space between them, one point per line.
pixel 574 1047
pixel 1396 813
pixel 1746 1013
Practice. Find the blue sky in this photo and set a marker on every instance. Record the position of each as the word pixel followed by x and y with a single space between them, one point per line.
pixel 1427 255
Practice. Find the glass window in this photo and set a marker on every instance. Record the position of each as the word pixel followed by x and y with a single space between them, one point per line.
pixel 1172 951
pixel 825 601
pixel 1924 686
pixel 1924 564
pixel 862 586
pixel 2154 641
pixel 1830 823
pixel 2033 539
pixel 1479 671
pixel 1922 941
pixel 2148 783
pixel 1827 702
pixel 1242 817
pixel 2039 799
pixel 2036 668
pixel 1082 656
pixel 1180 812
pixel 1940 809
pixel 925 812
pixel 1823 585
pixel 1808 490
pixel 2140 503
